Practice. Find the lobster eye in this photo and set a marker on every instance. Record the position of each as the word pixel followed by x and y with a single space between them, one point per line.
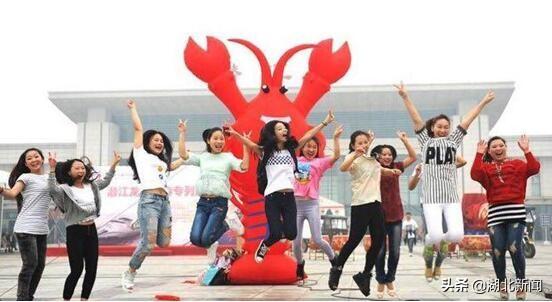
pixel 265 88
pixel 283 90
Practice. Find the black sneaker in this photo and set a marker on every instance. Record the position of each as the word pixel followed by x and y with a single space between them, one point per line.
pixel 335 274
pixel 300 272
pixel 261 251
pixel 363 282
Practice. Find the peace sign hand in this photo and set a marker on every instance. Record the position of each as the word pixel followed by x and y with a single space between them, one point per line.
pixel 182 126
pixel 401 90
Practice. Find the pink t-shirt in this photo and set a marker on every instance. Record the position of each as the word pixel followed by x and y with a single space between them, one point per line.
pixel 307 183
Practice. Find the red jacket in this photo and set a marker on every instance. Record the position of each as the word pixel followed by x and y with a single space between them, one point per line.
pixel 514 174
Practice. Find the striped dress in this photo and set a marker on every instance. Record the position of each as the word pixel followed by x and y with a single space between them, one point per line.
pixel 439 166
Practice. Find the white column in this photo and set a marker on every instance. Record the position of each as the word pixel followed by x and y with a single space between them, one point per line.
pixel 97 138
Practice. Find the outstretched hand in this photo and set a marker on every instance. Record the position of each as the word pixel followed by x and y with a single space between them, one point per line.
pixel 481 146
pixel 489 97
pixel 523 143
pixel 338 131
pixel 52 160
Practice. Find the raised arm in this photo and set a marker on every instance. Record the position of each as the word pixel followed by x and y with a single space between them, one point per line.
pixel 106 180
pixel 414 179
pixel 336 148
pixel 245 140
pixel 182 152
pixel 245 159
pixel 477 173
pixel 312 132
pixel 182 128
pixel 474 112
pixel 533 166
pixel 412 111
pixel 411 158
pixel 55 191
pixel 137 124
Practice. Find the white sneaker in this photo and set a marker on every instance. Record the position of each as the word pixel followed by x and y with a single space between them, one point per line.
pixel 234 223
pixel 212 253
pixel 127 280
pixel 410 254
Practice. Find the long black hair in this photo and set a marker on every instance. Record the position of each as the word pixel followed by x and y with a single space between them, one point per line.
pixel 268 140
pixel 354 135
pixel 19 169
pixel 316 141
pixel 165 155
pixel 63 169
pixel 429 123
pixel 487 156
pixel 378 150
pixel 207 133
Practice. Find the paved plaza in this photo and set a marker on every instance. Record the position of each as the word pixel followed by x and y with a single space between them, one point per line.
pixel 175 275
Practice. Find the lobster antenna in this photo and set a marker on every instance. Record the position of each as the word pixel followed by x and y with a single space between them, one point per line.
pixel 265 67
pixel 279 69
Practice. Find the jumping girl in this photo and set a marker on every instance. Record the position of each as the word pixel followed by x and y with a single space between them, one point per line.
pixel 77 195
pixel 307 190
pixel 433 269
pixel 150 161
pixel 277 148
pixel 439 188
pixel 393 212
pixel 505 180
pixel 29 186
pixel 213 186
pixel 366 210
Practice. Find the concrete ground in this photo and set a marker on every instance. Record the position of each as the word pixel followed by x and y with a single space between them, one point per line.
pixel 173 275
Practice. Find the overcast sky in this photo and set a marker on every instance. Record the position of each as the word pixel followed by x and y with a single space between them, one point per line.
pixel 128 45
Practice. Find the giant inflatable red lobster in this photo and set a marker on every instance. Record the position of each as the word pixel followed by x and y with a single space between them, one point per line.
pixel 212 66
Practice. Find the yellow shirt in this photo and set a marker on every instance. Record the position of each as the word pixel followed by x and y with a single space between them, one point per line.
pixel 365 180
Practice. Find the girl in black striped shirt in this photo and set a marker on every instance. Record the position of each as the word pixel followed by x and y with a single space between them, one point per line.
pixel 439 185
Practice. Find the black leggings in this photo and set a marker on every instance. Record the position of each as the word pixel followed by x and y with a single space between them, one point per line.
pixel 281 215
pixel 369 215
pixel 82 243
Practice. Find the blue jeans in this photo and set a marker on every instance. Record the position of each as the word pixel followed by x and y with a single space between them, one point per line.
pixel 208 225
pixel 154 217
pixel 393 231
pixel 508 235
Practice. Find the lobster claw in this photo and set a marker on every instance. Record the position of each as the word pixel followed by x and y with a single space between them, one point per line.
pixel 327 65
pixel 207 64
